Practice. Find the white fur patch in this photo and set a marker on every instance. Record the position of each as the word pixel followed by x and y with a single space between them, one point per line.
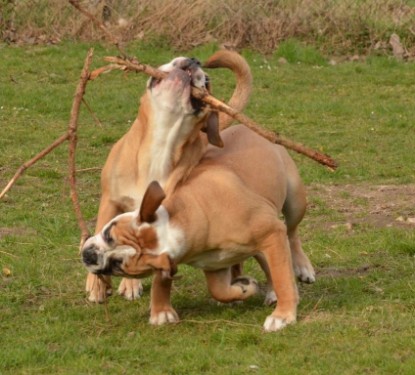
pixel 172 64
pixel 171 240
pixel 273 324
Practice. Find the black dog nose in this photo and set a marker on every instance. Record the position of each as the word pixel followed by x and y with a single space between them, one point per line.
pixel 195 61
pixel 187 63
pixel 90 256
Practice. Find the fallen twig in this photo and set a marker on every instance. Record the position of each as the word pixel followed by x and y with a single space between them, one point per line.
pixel 93 169
pixel 203 94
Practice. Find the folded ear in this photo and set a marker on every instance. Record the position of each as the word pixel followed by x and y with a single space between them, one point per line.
pixel 163 264
pixel 152 199
pixel 211 128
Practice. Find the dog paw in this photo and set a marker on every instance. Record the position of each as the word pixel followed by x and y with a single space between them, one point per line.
pixel 248 285
pixel 270 298
pixel 163 317
pixel 130 289
pixel 97 289
pixel 274 323
pixel 305 274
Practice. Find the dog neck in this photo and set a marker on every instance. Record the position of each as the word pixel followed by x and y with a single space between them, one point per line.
pixel 175 147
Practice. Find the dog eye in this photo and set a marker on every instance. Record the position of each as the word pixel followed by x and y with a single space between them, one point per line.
pixel 107 235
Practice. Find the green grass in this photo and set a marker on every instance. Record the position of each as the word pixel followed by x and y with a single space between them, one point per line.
pixel 349 322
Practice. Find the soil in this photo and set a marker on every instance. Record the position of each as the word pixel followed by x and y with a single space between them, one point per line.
pixel 375 205
pixel 16 231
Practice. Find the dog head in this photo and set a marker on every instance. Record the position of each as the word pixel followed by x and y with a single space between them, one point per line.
pixel 172 105
pixel 127 245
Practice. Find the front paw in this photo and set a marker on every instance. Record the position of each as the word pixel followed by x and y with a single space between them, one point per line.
pixel 275 323
pixel 97 288
pixel 130 289
pixel 167 315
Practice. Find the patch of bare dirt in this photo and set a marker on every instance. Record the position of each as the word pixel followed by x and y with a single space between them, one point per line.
pixel 375 205
pixel 346 272
pixel 15 231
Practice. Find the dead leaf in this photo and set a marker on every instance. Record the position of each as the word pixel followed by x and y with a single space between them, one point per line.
pixel 7 272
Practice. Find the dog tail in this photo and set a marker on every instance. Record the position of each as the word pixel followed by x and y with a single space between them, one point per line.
pixel 240 97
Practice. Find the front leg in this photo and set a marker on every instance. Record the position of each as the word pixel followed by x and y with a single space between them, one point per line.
pixel 131 289
pixel 161 310
pixel 99 288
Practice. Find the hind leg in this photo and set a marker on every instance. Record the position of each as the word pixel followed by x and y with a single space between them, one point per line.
pixel 302 266
pixel 270 296
pixel 278 256
pixel 294 209
pixel 225 289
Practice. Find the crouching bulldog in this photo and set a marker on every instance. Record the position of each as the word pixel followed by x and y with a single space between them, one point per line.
pixel 227 210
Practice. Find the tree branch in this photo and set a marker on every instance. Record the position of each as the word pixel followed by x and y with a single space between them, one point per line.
pixel 203 95
pixel 72 129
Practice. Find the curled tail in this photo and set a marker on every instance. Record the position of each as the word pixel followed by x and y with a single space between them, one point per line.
pixel 238 65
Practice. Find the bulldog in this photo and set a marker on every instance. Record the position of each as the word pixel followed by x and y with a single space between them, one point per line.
pixel 164 143
pixel 227 210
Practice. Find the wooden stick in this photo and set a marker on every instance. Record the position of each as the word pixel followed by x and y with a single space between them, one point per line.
pixel 203 95
pixel 72 129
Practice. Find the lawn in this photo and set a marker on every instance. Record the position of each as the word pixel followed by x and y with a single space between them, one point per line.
pixel 358 318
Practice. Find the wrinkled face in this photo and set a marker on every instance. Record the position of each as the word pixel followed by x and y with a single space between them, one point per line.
pixel 123 248
pixel 171 97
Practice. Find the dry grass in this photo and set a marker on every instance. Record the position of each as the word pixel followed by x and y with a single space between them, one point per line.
pixel 349 26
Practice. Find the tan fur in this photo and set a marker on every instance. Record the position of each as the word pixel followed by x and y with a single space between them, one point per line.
pixel 126 173
pixel 228 210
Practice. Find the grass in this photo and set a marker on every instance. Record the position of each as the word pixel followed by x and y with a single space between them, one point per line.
pixel 356 319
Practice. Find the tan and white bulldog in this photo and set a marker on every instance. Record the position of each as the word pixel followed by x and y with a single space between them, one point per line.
pixel 164 144
pixel 228 209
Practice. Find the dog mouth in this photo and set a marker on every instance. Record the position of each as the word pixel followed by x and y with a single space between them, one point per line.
pixel 112 268
pixel 187 72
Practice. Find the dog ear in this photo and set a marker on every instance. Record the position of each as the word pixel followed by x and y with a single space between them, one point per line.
pixel 211 128
pixel 152 199
pixel 163 264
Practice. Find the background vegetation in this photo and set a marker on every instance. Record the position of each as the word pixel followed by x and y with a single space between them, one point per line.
pixel 359 231
pixel 337 27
